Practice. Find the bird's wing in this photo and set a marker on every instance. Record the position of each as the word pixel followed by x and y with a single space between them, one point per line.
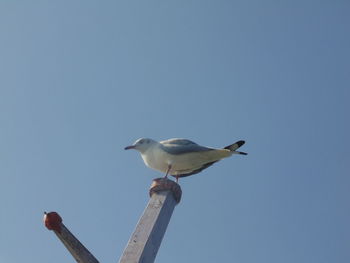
pixel 204 166
pixel 181 146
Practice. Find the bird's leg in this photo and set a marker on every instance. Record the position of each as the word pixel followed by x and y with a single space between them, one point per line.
pixel 167 171
pixel 177 179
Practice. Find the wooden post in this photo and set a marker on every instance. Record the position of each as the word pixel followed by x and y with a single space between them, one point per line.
pixel 147 237
pixel 53 221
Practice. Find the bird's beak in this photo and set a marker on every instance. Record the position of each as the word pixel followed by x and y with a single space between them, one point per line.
pixel 129 147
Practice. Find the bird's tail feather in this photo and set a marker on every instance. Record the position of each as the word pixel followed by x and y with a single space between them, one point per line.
pixel 235 146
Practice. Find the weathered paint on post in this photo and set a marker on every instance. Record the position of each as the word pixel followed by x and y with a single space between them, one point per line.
pixel 53 222
pixel 149 232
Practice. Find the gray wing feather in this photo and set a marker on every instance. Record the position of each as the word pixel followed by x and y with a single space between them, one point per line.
pixel 181 146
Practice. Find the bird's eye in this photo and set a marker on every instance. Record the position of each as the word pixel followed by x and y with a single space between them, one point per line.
pixel 141 142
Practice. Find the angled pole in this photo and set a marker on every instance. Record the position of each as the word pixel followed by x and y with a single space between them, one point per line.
pixel 147 237
pixel 53 221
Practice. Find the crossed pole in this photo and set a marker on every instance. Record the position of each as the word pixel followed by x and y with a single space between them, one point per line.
pixel 145 241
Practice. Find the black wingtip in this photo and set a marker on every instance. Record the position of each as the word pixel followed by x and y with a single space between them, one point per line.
pixel 235 146
pixel 240 143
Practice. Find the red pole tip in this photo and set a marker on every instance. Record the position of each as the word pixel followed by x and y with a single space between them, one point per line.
pixel 53 221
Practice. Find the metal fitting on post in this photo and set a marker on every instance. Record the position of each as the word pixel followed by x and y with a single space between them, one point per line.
pixel 164 184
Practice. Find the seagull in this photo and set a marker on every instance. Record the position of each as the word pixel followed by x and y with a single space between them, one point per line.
pixel 181 157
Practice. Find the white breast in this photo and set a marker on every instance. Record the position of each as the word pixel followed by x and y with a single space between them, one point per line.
pixel 156 159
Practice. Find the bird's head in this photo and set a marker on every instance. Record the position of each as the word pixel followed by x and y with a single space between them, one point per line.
pixel 141 145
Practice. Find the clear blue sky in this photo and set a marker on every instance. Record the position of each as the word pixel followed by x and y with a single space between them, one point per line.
pixel 80 80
